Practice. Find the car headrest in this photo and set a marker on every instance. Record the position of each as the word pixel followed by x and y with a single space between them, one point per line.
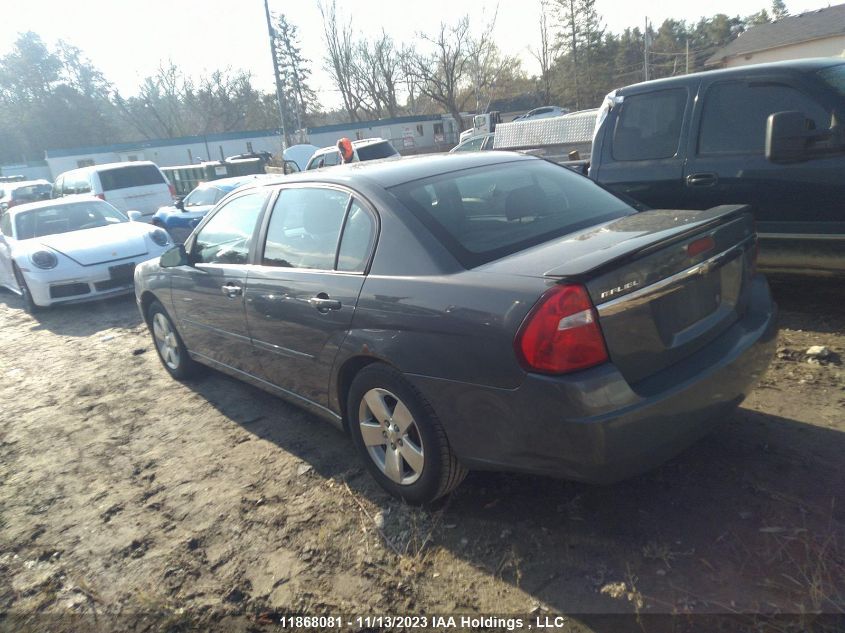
pixel 528 201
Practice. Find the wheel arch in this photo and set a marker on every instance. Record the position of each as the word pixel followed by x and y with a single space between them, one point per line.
pixel 147 299
pixel 346 373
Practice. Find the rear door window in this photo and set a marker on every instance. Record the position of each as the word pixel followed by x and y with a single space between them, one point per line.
pixel 304 229
pixel 734 116
pixel 227 236
pixel 130 176
pixel 649 125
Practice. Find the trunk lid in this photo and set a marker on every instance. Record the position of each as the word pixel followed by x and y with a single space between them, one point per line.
pixel 664 282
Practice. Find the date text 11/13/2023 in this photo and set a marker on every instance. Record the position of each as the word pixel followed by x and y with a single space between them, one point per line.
pixel 508 623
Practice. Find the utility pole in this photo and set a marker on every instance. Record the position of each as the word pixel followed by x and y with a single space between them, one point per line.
pixel 687 56
pixel 645 51
pixel 279 98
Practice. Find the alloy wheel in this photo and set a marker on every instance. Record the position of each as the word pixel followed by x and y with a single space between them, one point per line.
pixel 391 436
pixel 166 341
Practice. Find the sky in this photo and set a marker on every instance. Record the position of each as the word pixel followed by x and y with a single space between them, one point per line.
pixel 128 39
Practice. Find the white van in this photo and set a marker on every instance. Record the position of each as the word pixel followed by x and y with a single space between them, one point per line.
pixel 136 186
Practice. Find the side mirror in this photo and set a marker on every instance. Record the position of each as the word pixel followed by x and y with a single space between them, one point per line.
pixel 180 204
pixel 134 216
pixel 176 256
pixel 792 137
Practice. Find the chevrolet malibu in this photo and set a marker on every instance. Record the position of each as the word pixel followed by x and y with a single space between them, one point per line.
pixel 72 249
pixel 478 311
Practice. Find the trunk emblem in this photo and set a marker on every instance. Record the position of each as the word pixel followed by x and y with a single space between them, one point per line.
pixel 615 291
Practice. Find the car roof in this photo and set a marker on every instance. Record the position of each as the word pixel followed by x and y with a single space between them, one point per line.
pixel 92 168
pixel 24 183
pixel 795 65
pixel 364 142
pixel 233 182
pixel 54 202
pixel 388 173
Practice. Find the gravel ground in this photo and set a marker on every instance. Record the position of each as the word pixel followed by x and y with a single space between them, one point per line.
pixel 139 503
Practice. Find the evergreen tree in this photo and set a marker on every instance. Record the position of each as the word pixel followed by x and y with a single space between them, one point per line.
pixel 779 10
pixel 299 98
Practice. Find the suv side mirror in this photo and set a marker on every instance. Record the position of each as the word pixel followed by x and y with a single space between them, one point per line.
pixel 788 136
pixel 176 256
pixel 792 137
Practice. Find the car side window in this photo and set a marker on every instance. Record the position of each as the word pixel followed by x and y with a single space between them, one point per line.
pixel 227 236
pixel 649 126
pixel 304 228
pixel 734 116
pixel 359 233
pixel 6 225
pixel 471 146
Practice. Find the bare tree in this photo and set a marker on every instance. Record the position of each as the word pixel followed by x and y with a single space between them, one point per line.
pixel 340 59
pixel 543 54
pixel 442 75
pixel 486 64
pixel 379 72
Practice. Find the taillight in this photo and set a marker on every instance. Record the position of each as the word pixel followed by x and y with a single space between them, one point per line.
pixel 11 203
pixel 701 245
pixel 102 196
pixel 561 333
pixel 172 190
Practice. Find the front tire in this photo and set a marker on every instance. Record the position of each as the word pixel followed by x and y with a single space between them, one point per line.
pixel 400 438
pixel 26 296
pixel 171 350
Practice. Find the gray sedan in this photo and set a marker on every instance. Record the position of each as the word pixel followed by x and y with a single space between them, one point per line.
pixel 471 311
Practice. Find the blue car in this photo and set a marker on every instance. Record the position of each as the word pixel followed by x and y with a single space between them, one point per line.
pixel 181 218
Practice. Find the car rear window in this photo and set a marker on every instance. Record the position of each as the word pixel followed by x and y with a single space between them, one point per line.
pixel 130 176
pixel 378 150
pixel 485 213
pixel 31 193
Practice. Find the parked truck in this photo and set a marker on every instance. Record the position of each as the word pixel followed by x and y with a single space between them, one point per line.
pixel 769 136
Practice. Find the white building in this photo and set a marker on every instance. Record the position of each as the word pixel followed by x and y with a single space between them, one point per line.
pixel 411 134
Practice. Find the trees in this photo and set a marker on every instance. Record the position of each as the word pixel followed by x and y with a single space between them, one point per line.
pixel 50 98
pixel 441 75
pixel 340 58
pixel 543 54
pixel 779 10
pixel 293 67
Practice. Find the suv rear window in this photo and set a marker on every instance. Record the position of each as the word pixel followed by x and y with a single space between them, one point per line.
pixel 378 150
pixel 130 176
pixel 486 213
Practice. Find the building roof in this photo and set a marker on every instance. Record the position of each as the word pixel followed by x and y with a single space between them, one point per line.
pixel 806 27
pixel 230 136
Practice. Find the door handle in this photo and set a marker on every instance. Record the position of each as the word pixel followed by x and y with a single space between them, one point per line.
pixel 704 179
pixel 323 303
pixel 231 290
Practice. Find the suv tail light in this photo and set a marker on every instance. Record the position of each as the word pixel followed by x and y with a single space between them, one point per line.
pixel 102 196
pixel 172 190
pixel 561 334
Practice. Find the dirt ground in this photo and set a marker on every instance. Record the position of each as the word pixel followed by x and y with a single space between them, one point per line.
pixel 141 503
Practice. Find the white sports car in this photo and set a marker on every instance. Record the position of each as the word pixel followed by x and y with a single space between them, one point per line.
pixel 72 249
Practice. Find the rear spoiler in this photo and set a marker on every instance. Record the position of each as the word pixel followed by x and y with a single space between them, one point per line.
pixel 644 240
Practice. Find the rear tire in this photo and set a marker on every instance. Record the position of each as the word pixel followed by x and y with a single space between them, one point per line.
pixel 400 437
pixel 169 345
pixel 26 296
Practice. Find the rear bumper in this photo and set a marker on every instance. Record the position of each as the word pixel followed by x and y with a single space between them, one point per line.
pixel 593 426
